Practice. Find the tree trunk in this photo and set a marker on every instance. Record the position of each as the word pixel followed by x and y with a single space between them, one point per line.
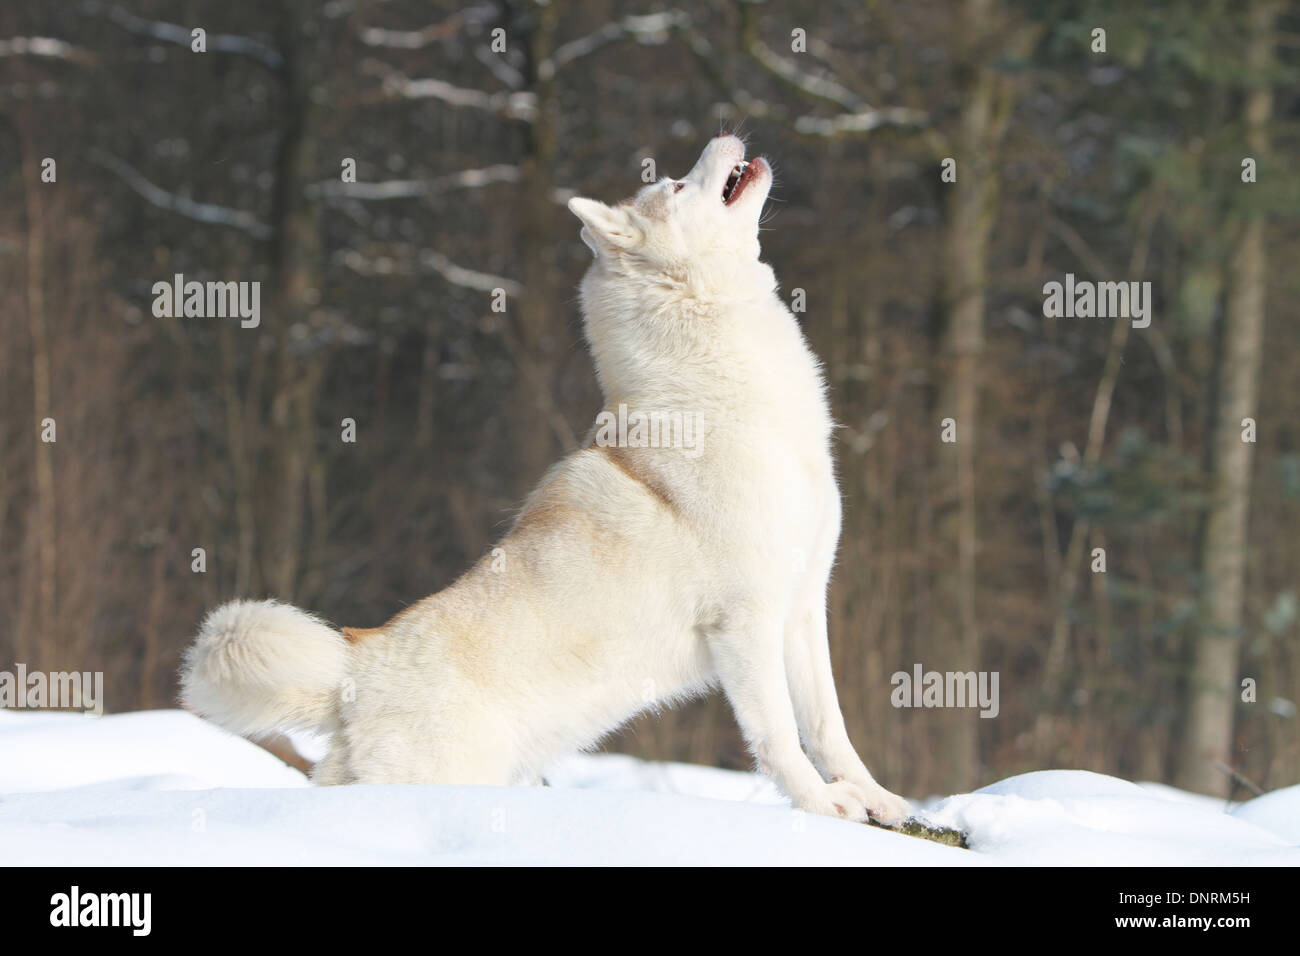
pixel 971 210
pixel 1207 741
pixel 1056 668
pixel 296 278
pixel 45 570
pixel 536 325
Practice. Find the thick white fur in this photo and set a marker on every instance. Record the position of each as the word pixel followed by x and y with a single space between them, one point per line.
pixel 261 665
pixel 633 577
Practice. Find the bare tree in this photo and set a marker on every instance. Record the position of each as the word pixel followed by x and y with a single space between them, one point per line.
pixel 1207 742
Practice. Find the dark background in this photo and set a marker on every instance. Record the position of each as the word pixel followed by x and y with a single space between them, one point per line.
pixel 924 298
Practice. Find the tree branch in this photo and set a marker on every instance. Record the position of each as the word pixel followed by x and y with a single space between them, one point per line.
pixel 650 30
pixel 861 122
pixel 412 39
pixel 411 188
pixel 182 205
pixel 859 116
pixel 263 53
pixel 785 69
pixel 48 47
pixel 469 278
pixel 474 16
pixel 503 71
pixel 430 261
pixel 510 105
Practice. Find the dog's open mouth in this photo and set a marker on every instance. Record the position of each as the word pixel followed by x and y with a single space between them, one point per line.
pixel 741 176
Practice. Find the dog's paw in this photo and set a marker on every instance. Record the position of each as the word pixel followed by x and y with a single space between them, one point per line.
pixel 885 807
pixel 839 799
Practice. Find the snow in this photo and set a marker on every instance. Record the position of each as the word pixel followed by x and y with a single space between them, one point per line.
pixel 1052 817
pixel 1173 793
pixel 152 750
pixel 166 788
pixel 1278 811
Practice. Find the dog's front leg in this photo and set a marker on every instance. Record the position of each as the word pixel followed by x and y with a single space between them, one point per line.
pixel 749 661
pixel 817 711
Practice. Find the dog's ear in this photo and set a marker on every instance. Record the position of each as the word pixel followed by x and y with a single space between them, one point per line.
pixel 609 228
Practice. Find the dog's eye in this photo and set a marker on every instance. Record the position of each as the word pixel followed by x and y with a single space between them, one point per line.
pixel 678 187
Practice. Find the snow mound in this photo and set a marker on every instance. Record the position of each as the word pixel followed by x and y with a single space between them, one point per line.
pixel 1055 817
pixel 1278 811
pixel 149 750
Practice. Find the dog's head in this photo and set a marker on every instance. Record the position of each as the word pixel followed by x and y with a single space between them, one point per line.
pixel 677 226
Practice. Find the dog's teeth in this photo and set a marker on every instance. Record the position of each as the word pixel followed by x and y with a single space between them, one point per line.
pixel 733 180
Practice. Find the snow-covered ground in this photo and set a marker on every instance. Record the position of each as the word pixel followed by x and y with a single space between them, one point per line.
pixel 164 787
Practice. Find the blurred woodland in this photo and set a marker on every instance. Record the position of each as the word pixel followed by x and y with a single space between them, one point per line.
pixel 469 125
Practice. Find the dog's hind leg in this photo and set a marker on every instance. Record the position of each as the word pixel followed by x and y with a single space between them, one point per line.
pixel 335 767
pixel 411 749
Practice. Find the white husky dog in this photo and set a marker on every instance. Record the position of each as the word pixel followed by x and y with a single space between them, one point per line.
pixel 636 575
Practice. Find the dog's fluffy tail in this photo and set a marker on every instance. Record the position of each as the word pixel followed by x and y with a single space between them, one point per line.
pixel 261 666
